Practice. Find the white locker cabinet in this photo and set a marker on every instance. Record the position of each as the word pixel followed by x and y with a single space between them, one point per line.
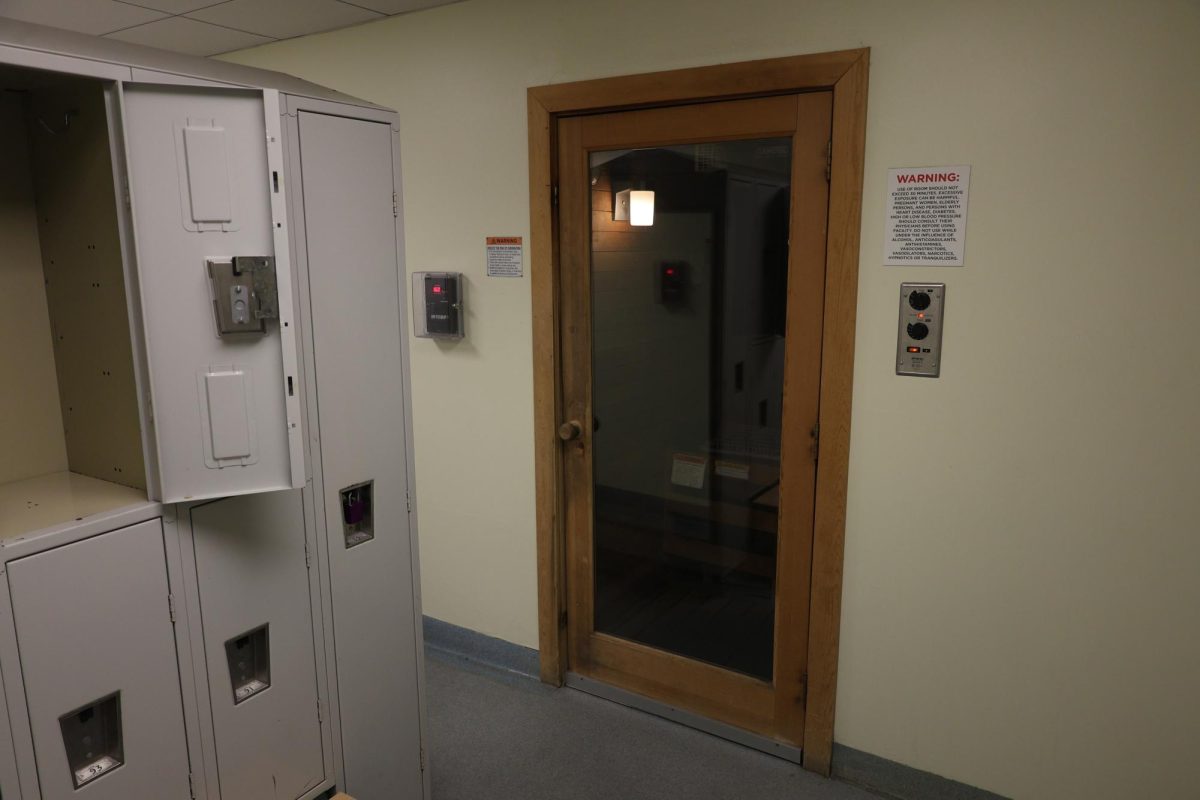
pixel 113 233
pixel 260 635
pixel 96 641
pixel 200 185
pixel 69 401
pixel 356 320
pixel 258 643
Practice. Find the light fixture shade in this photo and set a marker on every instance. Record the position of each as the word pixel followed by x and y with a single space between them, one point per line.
pixel 641 207
pixel 635 206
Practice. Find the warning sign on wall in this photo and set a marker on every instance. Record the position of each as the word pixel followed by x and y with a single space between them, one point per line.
pixel 926 216
pixel 505 256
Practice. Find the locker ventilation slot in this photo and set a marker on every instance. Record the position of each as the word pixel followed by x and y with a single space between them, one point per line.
pixel 358 513
pixel 249 658
pixel 92 736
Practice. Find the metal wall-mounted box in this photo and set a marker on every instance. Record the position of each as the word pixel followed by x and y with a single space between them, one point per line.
pixel 919 333
pixel 438 305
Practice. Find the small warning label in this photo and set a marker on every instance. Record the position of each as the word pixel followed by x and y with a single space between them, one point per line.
pixel 926 221
pixel 505 256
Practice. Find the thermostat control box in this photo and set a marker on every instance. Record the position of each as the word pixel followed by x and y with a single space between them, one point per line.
pixel 438 305
pixel 919 338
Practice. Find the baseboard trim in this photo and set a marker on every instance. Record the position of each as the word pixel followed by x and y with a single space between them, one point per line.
pixel 709 726
pixel 889 778
pixel 478 648
pixel 900 781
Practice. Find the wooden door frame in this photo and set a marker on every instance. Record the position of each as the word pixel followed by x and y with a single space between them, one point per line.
pixel 845 74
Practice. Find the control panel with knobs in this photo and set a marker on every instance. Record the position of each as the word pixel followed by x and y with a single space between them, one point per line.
pixel 919 338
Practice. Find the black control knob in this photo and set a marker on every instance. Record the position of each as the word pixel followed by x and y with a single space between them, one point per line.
pixel 919 300
pixel 918 330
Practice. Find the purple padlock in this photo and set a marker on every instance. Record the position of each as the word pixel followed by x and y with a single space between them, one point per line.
pixel 354 509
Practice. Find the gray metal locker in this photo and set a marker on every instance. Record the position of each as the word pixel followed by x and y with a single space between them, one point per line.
pixel 357 342
pixel 289 659
pixel 258 642
pixel 98 654
pixel 200 195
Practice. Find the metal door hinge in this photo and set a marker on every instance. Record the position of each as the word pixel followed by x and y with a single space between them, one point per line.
pixel 829 161
pixel 408 501
pixel 307 557
pixel 125 192
pixel 554 195
pixel 395 205
pixel 422 759
pixel 816 439
pixel 320 716
pixel 171 607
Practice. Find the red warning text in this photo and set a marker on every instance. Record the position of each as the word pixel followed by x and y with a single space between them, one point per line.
pixel 928 177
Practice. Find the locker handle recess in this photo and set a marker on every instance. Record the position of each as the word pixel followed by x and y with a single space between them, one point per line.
pixel 249 656
pixel 358 513
pixel 92 736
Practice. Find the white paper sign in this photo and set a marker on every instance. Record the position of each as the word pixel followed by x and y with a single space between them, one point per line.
pixel 926 216
pixel 732 469
pixel 505 256
pixel 688 470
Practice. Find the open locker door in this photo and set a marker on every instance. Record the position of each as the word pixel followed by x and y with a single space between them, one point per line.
pixel 215 288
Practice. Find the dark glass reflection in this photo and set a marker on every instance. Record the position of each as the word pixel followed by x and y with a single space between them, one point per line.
pixel 688 343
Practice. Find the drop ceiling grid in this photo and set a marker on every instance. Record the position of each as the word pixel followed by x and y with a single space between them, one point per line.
pixel 206 27
pixel 283 19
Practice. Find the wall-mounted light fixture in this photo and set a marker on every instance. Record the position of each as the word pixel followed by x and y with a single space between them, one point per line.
pixel 635 206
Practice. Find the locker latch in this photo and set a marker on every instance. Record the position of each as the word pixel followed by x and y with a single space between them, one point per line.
pixel 358 514
pixel 93 740
pixel 249 657
pixel 244 293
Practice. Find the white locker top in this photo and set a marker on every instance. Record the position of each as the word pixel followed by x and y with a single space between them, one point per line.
pixel 57 50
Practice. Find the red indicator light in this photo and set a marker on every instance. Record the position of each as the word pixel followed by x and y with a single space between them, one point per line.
pixel 670 270
pixel 914 349
pixel 437 288
pixel 920 316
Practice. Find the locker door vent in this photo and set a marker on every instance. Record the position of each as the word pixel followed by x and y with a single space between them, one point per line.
pixel 358 513
pixel 92 736
pixel 249 658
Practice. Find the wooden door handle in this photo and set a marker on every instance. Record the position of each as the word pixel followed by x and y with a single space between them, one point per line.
pixel 570 430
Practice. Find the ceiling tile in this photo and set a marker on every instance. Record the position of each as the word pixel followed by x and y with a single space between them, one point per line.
pixel 398 6
pixel 285 18
pixel 83 16
pixel 175 6
pixel 185 35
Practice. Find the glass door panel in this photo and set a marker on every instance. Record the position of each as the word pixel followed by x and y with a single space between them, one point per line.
pixel 691 262
pixel 688 333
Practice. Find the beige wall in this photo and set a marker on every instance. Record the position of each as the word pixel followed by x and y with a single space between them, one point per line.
pixel 1022 604
pixel 31 427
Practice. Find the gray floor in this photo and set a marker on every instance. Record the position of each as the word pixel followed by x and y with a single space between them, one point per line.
pixel 496 736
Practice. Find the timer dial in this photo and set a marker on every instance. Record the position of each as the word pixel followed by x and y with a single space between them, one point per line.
pixel 919 300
